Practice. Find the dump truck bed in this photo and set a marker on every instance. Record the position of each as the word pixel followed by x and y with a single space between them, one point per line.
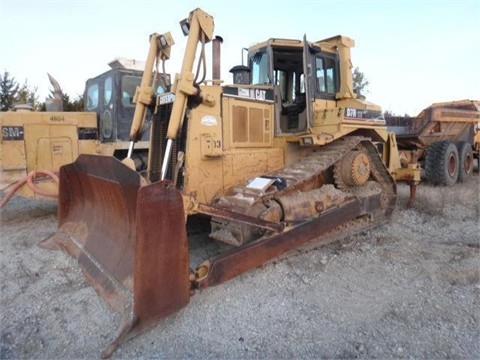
pixel 451 121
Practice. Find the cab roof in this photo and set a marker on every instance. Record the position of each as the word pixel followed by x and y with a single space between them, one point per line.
pixel 329 44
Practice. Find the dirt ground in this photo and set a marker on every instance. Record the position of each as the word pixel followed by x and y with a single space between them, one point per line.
pixel 407 289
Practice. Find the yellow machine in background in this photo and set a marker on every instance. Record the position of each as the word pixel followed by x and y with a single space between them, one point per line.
pixel 34 145
pixel 443 139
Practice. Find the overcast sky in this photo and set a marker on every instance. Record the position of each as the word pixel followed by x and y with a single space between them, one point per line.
pixel 413 53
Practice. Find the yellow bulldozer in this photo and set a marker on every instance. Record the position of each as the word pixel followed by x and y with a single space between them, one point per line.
pixel 285 155
pixel 34 145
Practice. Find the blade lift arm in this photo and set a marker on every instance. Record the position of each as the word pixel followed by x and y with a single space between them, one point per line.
pixel 199 26
pixel 160 46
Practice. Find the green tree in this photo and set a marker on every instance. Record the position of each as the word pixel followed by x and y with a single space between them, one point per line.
pixel 360 82
pixel 28 95
pixel 8 91
pixel 72 105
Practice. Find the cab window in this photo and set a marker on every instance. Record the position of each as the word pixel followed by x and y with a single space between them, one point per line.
pixel 92 97
pixel 326 75
pixel 160 89
pixel 129 85
pixel 259 63
pixel 107 90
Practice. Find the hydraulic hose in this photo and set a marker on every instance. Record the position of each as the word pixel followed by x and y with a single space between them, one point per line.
pixel 29 180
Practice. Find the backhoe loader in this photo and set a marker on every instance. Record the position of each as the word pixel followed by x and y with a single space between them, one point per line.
pixel 285 155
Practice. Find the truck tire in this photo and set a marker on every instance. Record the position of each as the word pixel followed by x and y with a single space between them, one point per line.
pixel 465 155
pixel 442 163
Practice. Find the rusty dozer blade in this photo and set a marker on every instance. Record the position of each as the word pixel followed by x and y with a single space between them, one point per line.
pixel 130 240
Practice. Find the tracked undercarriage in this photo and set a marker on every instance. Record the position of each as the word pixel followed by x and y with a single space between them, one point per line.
pixel 301 192
pixel 311 198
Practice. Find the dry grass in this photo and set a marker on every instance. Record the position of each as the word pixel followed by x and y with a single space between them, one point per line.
pixel 433 199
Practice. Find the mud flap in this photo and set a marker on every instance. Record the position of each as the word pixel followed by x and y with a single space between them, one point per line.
pixel 130 240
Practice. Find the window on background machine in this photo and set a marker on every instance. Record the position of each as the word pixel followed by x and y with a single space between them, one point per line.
pixel 92 97
pixel 129 86
pixel 107 90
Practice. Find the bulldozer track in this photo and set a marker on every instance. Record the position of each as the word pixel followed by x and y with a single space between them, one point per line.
pixel 319 161
pixel 363 210
pixel 379 172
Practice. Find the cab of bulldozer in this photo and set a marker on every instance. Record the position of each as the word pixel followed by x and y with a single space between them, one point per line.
pixel 110 95
pixel 299 73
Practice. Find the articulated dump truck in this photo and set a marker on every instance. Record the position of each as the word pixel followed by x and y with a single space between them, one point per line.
pixel 444 138
pixel 285 155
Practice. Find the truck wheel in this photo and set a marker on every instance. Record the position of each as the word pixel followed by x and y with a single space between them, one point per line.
pixel 465 154
pixel 442 163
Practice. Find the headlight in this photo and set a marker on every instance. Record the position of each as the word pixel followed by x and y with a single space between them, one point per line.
pixel 307 141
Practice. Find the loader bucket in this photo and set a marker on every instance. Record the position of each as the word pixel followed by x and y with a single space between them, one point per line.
pixel 130 240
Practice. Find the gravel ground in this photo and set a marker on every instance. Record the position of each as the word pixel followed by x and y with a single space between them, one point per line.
pixel 407 289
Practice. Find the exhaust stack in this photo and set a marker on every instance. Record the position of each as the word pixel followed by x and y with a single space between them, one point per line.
pixel 216 57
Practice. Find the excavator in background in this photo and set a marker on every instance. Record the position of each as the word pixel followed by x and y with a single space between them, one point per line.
pixel 286 155
pixel 34 145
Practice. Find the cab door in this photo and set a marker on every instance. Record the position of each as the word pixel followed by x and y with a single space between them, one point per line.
pixel 309 83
